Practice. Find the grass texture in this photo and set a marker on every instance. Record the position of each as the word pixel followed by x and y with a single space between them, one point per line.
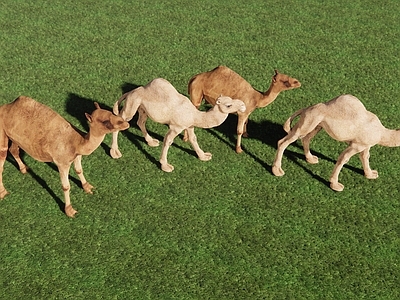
pixel 223 229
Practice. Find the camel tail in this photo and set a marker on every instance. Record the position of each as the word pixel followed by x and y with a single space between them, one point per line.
pixel 288 122
pixel 118 103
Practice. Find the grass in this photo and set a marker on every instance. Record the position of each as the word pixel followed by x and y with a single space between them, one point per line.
pixel 224 229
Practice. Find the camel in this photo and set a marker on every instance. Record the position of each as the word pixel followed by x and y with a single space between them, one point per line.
pixel 223 81
pixel 48 137
pixel 345 119
pixel 160 101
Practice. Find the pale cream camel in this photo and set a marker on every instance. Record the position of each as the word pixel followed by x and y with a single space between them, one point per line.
pixel 47 137
pixel 223 81
pixel 160 101
pixel 345 119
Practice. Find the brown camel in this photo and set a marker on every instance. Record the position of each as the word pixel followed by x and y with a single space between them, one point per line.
pixel 47 137
pixel 223 81
pixel 345 119
pixel 160 101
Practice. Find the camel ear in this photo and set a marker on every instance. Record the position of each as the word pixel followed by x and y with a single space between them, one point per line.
pixel 218 101
pixel 276 73
pixel 96 105
pixel 88 117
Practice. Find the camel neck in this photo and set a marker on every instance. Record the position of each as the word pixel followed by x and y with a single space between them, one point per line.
pixel 268 97
pixel 89 143
pixel 211 118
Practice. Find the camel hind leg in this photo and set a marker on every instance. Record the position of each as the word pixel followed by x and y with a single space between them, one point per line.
pixel 306 127
pixel 312 159
pixel 291 137
pixel 168 140
pixel 364 156
pixel 14 150
pixel 343 158
pixel 152 142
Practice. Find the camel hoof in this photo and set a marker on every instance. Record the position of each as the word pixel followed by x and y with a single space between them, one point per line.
pixel 167 168
pixel 206 156
pixel 153 143
pixel 372 175
pixel 312 159
pixel 115 153
pixel 239 149
pixel 87 187
pixel 277 171
pixel 3 193
pixel 24 170
pixel 70 212
pixel 337 186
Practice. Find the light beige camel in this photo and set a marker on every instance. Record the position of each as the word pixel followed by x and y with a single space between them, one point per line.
pixel 47 137
pixel 223 81
pixel 345 119
pixel 160 101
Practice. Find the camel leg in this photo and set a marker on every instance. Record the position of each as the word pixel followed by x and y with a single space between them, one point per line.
pixel 168 140
pixel 142 125
pixel 245 134
pixel 114 151
pixel 185 132
pixel 312 159
pixel 3 156
pixel 87 187
pixel 127 116
pixel 204 156
pixel 64 170
pixel 282 145
pixel 364 156
pixel 242 120
pixel 342 160
pixel 14 150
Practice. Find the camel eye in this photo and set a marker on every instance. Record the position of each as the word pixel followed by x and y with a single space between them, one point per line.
pixel 229 105
pixel 107 124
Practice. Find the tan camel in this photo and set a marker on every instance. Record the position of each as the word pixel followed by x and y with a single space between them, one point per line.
pixel 223 81
pixel 47 137
pixel 160 101
pixel 345 119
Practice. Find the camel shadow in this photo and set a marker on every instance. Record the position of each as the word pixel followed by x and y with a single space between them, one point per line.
pixel 269 133
pixel 38 179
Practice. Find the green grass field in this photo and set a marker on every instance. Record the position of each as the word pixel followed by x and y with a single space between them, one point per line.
pixel 223 229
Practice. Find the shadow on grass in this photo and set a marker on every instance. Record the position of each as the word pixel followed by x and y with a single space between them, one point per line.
pixel 42 183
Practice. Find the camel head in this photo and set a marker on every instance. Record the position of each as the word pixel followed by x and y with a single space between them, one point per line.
pixel 284 82
pixel 228 105
pixel 105 121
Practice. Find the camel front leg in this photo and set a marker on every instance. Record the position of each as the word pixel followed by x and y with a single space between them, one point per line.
pixel 242 120
pixel 87 187
pixel 312 159
pixel 344 157
pixel 114 151
pixel 142 125
pixel 168 140
pixel 282 145
pixel 3 156
pixel 364 156
pixel 64 170
pixel 14 150
pixel 204 156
